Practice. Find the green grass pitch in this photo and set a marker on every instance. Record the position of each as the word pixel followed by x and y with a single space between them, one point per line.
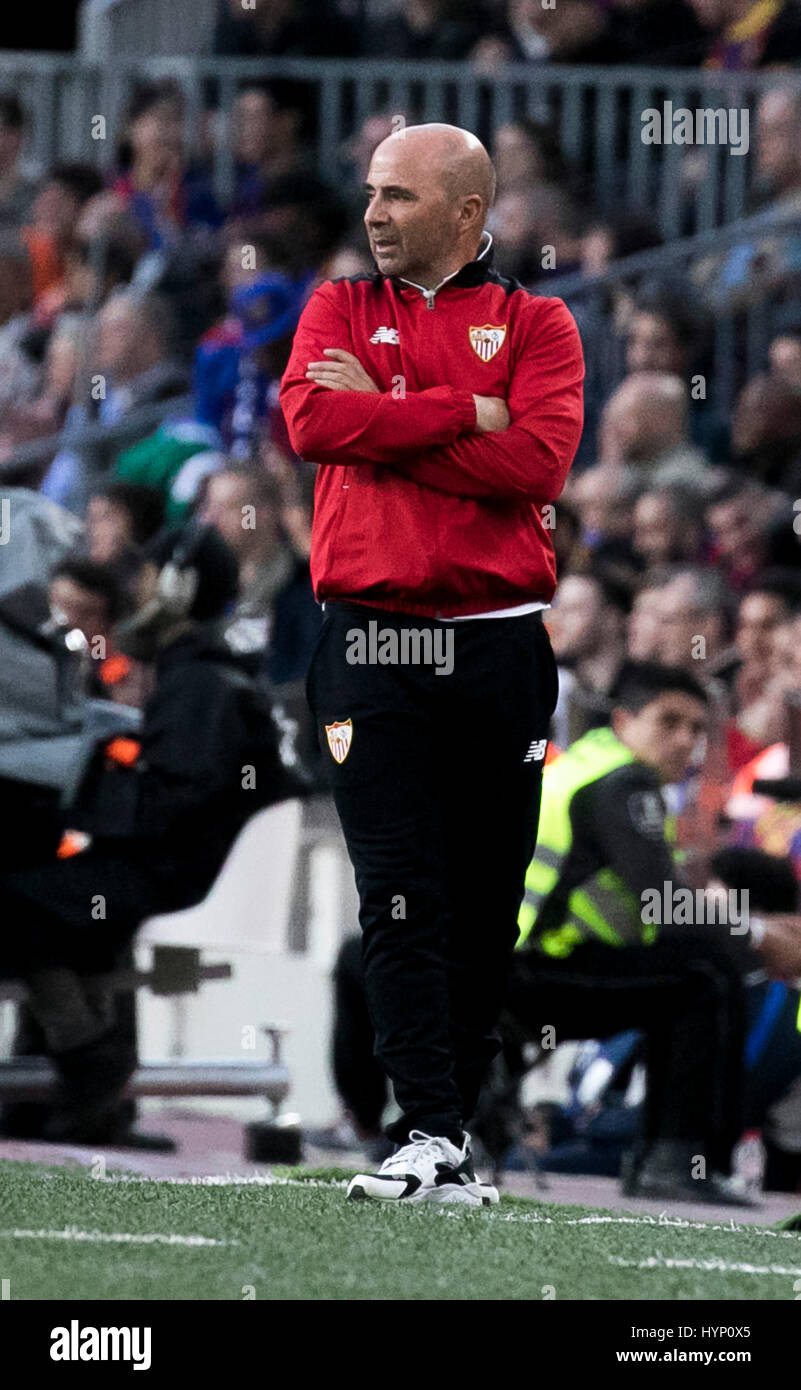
pixel 65 1234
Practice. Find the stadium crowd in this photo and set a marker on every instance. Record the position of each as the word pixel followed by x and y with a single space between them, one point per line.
pixel 678 533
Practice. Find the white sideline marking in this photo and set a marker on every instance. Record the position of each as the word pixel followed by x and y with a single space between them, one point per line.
pixel 671 1222
pixel 229 1180
pixel 267 1180
pixel 713 1265
pixel 115 1237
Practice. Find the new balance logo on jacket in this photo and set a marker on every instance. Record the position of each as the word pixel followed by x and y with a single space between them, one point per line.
pixel 385 335
pixel 536 751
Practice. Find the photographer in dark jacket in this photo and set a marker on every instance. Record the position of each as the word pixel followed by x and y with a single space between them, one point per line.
pixel 161 811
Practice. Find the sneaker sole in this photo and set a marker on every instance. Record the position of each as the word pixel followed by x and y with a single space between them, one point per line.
pixel 472 1194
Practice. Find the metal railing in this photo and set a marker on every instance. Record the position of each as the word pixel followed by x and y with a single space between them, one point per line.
pixel 95 445
pixel 738 296
pixel 145 27
pixel 597 115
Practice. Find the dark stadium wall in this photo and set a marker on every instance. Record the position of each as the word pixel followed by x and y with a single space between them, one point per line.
pixel 26 27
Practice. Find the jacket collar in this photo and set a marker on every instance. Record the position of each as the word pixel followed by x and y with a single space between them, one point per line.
pixel 471 274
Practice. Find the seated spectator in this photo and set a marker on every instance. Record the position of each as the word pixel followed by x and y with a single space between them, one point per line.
pixel 120 518
pixel 157 185
pixel 644 632
pixel 17 189
pixel 133 350
pixel 238 364
pixel 611 239
pixel 697 623
pixel 739 517
pixel 132 354
pixel 86 595
pixel 89 597
pixel 536 231
pixel 666 333
pixel 765 720
pixel 428 29
pixel 660 33
pixel 784 353
pixel 773 599
pixel 160 813
pixel 749 34
pixel 46 413
pixel 766 432
pixel 604 497
pixel 19 372
pixel 526 153
pixel 645 424
pixel 276 612
pixel 269 125
pixel 301 223
pixel 285 28
pixel 587 628
pixel 582 32
pixel 667 527
pixel 54 219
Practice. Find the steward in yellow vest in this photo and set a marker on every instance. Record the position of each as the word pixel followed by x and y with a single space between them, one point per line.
pixel 611 938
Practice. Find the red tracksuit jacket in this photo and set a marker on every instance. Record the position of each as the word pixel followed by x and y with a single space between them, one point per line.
pixel 413 511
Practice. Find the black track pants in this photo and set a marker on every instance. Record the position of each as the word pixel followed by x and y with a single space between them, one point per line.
pixel 438 794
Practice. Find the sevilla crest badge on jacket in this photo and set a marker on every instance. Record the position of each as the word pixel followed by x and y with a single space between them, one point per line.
pixel 487 340
pixel 339 737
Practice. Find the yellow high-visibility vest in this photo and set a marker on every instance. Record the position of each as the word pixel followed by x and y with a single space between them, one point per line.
pixel 601 907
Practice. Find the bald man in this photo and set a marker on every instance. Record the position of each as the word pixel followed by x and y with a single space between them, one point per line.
pixel 443 405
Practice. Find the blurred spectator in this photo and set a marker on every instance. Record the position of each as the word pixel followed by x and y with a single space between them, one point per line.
pixel 615 237
pixel 581 32
pixel 645 424
pixel 738 518
pixel 587 631
pixel 778 152
pixel 285 28
pixel 46 412
pixel 766 432
pixel 667 527
pixel 156 184
pixel 238 363
pixel 525 153
pixel 644 634
pixel 659 33
pixel 54 219
pixel 276 612
pixel 17 190
pixel 85 594
pixel 428 29
pixel 750 33
pixel 131 364
pixel 666 333
pixel 784 353
pixel 535 231
pixel 133 350
pixel 302 222
pixel 772 602
pixel 19 376
pixel 120 519
pixel 696 621
pixel 269 126
pixel 603 498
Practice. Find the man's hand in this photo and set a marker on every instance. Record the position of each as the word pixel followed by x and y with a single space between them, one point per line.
pixel 342 372
pixel 491 414
pixel 780 947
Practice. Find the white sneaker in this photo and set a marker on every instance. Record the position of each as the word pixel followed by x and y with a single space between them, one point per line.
pixel 428 1168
